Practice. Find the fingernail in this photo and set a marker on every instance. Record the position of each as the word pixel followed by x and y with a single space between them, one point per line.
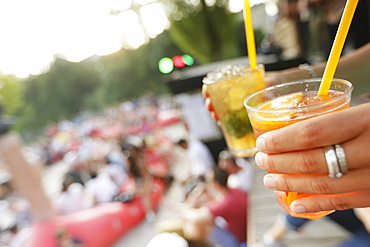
pixel 269 182
pixel 298 209
pixel 260 144
pixel 259 160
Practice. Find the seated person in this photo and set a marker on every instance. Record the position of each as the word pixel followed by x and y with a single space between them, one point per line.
pixel 222 219
pixel 64 239
pixel 240 171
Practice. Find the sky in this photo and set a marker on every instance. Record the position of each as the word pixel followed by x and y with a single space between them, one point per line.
pixel 32 32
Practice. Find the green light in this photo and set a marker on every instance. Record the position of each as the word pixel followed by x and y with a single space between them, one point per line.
pixel 165 65
pixel 188 60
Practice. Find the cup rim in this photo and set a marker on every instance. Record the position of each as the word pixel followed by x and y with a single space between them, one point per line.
pixel 251 108
pixel 217 80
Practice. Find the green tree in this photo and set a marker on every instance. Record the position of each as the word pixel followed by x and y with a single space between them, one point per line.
pixel 59 93
pixel 131 73
pixel 11 94
pixel 209 33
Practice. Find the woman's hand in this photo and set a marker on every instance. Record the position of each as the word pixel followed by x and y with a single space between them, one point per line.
pixel 298 149
pixel 273 78
pixel 209 105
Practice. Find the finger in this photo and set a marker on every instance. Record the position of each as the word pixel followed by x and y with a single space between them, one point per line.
pixel 209 105
pixel 210 108
pixel 357 151
pixel 313 161
pixel 316 132
pixel 204 91
pixel 343 201
pixel 355 180
pixel 300 162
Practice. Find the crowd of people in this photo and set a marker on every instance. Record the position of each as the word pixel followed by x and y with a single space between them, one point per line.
pixel 100 155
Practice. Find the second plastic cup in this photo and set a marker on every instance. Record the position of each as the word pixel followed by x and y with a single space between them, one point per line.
pixel 227 87
pixel 278 106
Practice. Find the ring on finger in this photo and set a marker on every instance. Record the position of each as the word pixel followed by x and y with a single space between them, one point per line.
pixel 341 156
pixel 332 162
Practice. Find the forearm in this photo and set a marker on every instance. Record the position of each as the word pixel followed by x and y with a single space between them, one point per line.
pixel 354 67
pixel 198 223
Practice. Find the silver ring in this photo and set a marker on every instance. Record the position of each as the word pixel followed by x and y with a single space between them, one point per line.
pixel 341 156
pixel 332 162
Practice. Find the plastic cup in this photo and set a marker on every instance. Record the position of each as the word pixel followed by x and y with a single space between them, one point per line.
pixel 227 87
pixel 282 105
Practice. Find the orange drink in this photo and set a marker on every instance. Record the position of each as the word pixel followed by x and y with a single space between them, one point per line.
pixel 227 87
pixel 285 104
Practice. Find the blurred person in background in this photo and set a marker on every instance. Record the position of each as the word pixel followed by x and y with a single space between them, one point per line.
pixel 286 32
pixel 72 198
pixel 201 161
pixel 240 171
pixel 347 219
pixel 65 239
pixel 115 170
pixel 19 236
pixel 307 28
pixel 319 21
pixel 174 239
pixel 143 180
pixel 218 215
pixel 101 187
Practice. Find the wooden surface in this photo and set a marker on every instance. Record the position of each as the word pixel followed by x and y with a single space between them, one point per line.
pixel 264 210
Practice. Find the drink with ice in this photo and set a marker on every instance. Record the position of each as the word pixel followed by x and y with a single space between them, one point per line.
pixel 227 88
pixel 276 107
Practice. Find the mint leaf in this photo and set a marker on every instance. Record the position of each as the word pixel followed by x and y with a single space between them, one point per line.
pixel 237 123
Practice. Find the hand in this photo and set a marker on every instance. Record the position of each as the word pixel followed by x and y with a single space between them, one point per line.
pixel 297 149
pixel 209 105
pixel 273 78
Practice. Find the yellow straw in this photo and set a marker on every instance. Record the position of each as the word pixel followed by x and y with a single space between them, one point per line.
pixel 250 35
pixel 337 47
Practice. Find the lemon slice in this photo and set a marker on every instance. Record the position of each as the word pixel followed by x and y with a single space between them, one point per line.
pixel 235 98
pixel 280 103
pixel 283 102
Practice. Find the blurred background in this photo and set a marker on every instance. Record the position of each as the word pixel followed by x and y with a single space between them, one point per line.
pixel 71 70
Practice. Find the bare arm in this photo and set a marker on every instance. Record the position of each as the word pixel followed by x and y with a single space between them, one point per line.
pixel 354 66
pixel 198 223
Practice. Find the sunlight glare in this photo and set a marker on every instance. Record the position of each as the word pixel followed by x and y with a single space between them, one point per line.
pixel 34 31
pixel 271 9
pixel 143 2
pixel 154 19
pixel 120 5
pixel 133 32
pixel 235 6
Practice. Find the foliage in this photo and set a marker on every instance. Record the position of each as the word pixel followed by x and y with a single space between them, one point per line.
pixel 130 74
pixel 208 33
pixel 11 94
pixel 69 88
pixel 57 94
